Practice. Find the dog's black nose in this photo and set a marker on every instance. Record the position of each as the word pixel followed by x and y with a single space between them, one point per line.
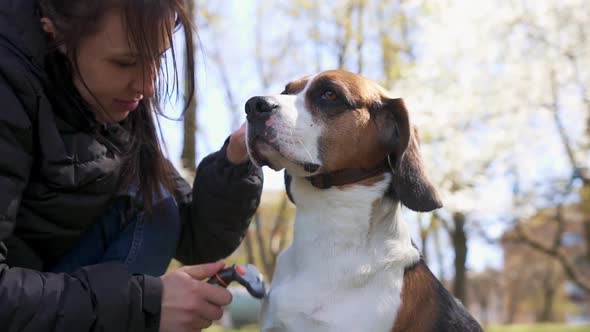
pixel 260 106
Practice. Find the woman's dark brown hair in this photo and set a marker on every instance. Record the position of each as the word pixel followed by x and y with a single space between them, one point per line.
pixel 144 162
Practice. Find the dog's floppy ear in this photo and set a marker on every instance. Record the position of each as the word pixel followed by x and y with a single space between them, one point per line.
pixel 410 183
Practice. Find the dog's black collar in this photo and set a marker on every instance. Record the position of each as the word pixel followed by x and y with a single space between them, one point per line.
pixel 349 175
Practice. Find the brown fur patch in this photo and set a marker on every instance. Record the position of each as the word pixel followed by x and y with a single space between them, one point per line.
pixel 419 306
pixel 351 138
pixel 369 182
pixel 350 141
pixel 358 89
pixel 359 124
pixel 295 87
pixel 372 180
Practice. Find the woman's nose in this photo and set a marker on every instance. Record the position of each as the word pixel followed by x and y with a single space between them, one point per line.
pixel 145 81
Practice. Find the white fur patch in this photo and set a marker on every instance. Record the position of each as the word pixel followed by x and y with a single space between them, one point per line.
pixel 297 133
pixel 344 269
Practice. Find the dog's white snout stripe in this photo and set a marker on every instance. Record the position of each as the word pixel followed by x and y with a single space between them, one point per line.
pixel 297 130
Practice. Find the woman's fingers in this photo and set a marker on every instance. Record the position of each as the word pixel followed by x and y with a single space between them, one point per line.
pixel 190 304
pixel 202 271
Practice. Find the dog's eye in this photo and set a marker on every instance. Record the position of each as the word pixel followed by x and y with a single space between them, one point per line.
pixel 329 95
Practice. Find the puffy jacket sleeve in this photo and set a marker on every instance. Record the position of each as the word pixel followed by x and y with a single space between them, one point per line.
pixel 217 214
pixel 96 298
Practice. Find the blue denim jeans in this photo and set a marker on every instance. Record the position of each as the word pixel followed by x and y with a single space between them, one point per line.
pixel 144 241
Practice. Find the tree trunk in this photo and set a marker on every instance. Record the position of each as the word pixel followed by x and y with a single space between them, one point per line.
pixel 189 145
pixel 438 249
pixel 546 314
pixel 347 34
pixel 423 240
pixel 360 35
pixel 425 232
pixel 459 239
pixel 262 245
pixel 249 249
pixel 317 37
pixel 484 311
pixel 585 197
pixel 511 306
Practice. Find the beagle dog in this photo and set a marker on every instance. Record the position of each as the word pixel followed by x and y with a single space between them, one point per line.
pixel 352 157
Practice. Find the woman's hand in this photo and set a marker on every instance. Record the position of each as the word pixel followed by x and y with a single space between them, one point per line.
pixel 188 303
pixel 237 153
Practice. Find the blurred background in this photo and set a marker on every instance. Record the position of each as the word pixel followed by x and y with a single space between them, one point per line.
pixel 500 91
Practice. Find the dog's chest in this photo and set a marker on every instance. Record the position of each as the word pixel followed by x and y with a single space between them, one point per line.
pixel 344 270
pixel 315 300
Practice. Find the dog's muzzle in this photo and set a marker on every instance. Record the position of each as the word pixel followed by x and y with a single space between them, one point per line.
pixel 260 108
pixel 259 111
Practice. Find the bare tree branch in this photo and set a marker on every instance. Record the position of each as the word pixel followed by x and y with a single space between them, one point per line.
pixel 554 252
pixel 560 128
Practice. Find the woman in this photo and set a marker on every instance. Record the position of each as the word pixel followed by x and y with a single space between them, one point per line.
pixel 91 212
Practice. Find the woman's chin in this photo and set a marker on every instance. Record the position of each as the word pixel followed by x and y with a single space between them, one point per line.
pixel 112 116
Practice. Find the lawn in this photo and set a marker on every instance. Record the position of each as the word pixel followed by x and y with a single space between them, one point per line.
pixel 508 328
pixel 540 328
pixel 221 329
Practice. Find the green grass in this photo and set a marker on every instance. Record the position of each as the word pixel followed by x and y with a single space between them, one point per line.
pixel 503 328
pixel 220 329
pixel 540 328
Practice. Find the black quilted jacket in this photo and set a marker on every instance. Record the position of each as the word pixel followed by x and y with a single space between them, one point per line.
pixel 57 177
